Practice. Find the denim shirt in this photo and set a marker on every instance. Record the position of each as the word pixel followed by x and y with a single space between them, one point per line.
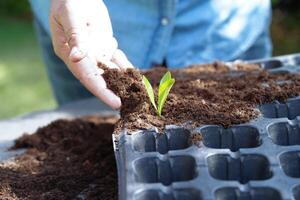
pixel 184 32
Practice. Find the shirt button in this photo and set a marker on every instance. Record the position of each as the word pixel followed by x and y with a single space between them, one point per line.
pixel 164 21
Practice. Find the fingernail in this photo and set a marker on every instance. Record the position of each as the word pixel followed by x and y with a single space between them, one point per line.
pixel 117 104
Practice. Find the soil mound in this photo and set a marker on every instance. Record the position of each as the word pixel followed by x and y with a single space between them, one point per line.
pixel 65 160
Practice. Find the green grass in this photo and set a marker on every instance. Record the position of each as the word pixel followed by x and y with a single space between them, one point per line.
pixel 285 31
pixel 23 82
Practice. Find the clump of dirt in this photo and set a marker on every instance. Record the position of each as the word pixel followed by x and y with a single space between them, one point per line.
pixel 65 160
pixel 202 94
pixel 127 85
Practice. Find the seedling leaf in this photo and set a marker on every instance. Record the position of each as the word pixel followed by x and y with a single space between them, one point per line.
pixel 164 90
pixel 165 86
pixel 149 90
pixel 163 83
pixel 166 77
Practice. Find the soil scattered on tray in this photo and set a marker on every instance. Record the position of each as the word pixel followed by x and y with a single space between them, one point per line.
pixel 202 94
pixel 65 160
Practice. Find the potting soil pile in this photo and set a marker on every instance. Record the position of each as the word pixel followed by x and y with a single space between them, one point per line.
pixel 65 160
pixel 75 159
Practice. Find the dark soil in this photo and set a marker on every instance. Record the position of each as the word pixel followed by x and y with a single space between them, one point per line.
pixel 207 94
pixel 65 160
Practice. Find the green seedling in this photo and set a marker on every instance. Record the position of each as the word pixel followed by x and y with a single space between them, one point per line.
pixel 164 88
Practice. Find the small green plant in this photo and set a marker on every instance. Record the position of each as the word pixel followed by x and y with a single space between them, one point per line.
pixel 164 88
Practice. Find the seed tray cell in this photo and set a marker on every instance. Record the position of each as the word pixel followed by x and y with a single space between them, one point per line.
pixel 271 64
pixel 285 133
pixel 254 193
pixel 280 62
pixel 289 109
pixel 186 194
pixel 242 169
pixel 290 163
pixel 256 160
pixel 165 171
pixel 150 141
pixel 232 138
pixel 296 192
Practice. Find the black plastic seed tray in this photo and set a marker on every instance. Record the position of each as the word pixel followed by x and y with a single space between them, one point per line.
pixel 259 160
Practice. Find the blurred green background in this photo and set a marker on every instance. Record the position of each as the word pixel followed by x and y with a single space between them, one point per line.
pixel 23 81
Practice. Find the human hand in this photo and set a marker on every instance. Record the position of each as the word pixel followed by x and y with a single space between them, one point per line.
pixel 82 37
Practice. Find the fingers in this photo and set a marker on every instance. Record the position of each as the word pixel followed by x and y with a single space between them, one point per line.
pixel 120 59
pixel 89 74
pixel 111 56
